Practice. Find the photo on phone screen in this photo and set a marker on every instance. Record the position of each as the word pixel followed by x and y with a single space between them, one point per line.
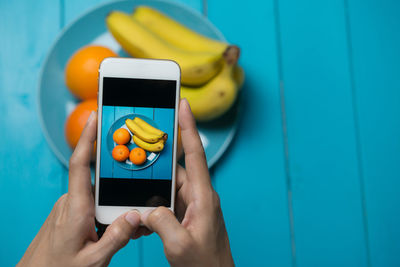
pixel 145 108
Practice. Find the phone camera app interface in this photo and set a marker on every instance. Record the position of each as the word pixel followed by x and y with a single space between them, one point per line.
pixel 137 130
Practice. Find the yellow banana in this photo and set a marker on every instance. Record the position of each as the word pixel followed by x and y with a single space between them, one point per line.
pixel 148 128
pixel 175 33
pixel 217 96
pixel 139 132
pixel 196 68
pixel 156 147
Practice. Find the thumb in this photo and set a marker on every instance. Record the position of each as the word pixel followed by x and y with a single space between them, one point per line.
pixel 118 234
pixel 162 221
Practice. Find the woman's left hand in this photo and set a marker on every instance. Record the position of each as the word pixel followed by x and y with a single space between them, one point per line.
pixel 68 237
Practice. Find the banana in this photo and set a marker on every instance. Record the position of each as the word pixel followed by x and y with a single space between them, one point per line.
pixel 150 129
pixel 175 33
pixel 156 147
pixel 217 96
pixel 196 68
pixel 142 134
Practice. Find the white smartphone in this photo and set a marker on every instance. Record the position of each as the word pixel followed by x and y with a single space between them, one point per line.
pixel 137 115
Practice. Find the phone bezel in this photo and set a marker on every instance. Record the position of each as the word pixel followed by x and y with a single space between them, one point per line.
pixel 142 69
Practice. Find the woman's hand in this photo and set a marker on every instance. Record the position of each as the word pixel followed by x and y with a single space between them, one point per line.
pixel 198 237
pixel 68 237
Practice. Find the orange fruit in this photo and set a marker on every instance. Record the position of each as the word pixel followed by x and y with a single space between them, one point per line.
pixel 82 70
pixel 137 156
pixel 76 121
pixel 121 136
pixel 120 153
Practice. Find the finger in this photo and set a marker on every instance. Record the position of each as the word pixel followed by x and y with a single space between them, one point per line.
pixel 180 176
pixel 162 221
pixel 79 164
pixel 180 206
pixel 118 234
pixel 181 198
pixel 195 160
pixel 142 231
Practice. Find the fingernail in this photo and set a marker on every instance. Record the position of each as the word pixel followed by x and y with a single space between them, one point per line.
pixel 133 218
pixel 186 102
pixel 145 214
pixel 187 105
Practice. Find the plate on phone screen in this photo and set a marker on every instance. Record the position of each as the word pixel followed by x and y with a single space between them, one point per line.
pixel 56 102
pixel 151 157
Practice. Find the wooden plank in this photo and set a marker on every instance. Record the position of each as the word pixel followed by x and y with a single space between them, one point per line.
pixel 75 8
pixel 326 192
pixel 31 177
pixel 250 178
pixel 130 255
pixel 374 46
pixel 153 251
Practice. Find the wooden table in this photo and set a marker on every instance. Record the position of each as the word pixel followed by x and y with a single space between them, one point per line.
pixel 312 176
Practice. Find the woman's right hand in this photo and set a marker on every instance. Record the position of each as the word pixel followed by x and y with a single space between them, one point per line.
pixel 198 237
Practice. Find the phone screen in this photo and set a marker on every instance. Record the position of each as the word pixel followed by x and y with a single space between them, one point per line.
pixel 146 102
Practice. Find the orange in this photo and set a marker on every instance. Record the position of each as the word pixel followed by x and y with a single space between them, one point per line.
pixel 137 156
pixel 82 69
pixel 76 121
pixel 120 153
pixel 121 136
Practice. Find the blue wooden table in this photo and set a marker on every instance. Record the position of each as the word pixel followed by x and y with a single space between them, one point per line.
pixel 312 177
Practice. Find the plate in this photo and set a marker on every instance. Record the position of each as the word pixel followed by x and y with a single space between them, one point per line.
pixel 120 123
pixel 56 102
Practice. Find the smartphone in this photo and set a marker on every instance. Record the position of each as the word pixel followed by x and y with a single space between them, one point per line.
pixel 136 136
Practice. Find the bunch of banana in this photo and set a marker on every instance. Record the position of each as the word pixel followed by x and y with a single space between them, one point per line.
pixel 211 77
pixel 145 135
pixel 218 95
pixel 196 68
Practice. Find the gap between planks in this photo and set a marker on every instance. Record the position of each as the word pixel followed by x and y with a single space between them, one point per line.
pixel 284 130
pixel 357 129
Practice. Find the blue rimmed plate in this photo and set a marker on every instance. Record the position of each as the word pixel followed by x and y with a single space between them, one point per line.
pixel 56 102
